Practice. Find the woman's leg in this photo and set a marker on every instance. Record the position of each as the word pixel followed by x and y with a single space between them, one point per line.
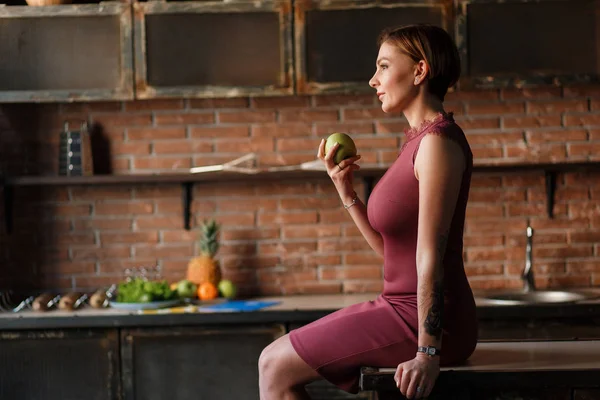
pixel 282 373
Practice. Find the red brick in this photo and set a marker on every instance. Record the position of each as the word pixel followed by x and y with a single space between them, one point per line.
pixel 489 254
pixel 472 95
pixel 483 240
pixel 169 251
pixel 375 142
pixel 564 251
pixel 128 237
pixel 583 178
pixel 494 139
pixel 539 267
pixel 365 114
pixel 104 253
pixel 582 267
pixel 483 270
pixel 585 237
pixel 345 100
pixel 79 193
pixel 89 283
pixel 556 136
pixel 249 234
pixel 69 210
pixel 284 189
pixel 573 222
pixel 595 105
pixel 468 123
pixel 237 205
pixel 334 216
pixel 183 147
pixel 540 121
pixel 485 210
pixel 287 276
pixel 342 273
pixel 288 248
pixel 130 208
pixel 535 209
pixel 351 128
pixel 486 152
pixel 184 118
pixel 494 195
pixel 115 119
pixel 312 288
pixel 486 283
pixel 308 115
pixel 485 181
pixel 93 106
pixel 362 286
pixel 256 116
pixel 540 237
pixel 564 281
pixel 130 148
pixel 156 191
pixel 303 203
pixel 72 238
pixel 244 146
pixel 495 108
pixel 582 119
pixel 584 149
pixel 237 219
pixel 155 133
pixel 181 235
pixel 538 152
pixel 119 266
pixel 220 132
pixel 69 268
pixel 310 231
pixel 280 101
pixel 154 222
pixel 585 90
pixel 282 130
pixel 363 258
pixel 530 93
pixel 121 165
pixel 298 144
pixel 337 245
pixel 316 260
pixel 238 102
pixel 154 104
pixel 523 181
pixel 480 226
pixel 242 189
pixel 304 217
pixel 164 163
pixel 236 262
pixel 391 127
pixel 555 106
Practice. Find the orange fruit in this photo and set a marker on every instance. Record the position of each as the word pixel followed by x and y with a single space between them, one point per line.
pixel 207 291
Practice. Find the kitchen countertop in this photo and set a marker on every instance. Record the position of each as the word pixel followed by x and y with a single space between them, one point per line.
pixel 291 309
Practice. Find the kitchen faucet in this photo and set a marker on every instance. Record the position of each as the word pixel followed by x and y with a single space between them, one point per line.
pixel 527 275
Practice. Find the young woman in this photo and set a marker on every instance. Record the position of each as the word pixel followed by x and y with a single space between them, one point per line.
pixel 425 316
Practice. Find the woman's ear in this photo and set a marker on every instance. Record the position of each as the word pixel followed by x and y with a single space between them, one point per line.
pixel 421 71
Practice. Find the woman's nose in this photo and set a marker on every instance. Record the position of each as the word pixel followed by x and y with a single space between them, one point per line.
pixel 373 82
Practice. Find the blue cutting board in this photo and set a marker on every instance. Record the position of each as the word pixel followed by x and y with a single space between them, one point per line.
pixel 237 306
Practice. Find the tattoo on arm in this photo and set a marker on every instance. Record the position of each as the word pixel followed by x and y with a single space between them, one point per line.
pixel 434 320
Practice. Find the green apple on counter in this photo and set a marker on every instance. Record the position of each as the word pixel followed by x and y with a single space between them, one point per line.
pixel 346 149
pixel 186 289
pixel 227 289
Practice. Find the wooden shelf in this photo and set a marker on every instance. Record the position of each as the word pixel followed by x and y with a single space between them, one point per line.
pixel 187 180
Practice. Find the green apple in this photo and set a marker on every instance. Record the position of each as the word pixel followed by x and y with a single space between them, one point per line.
pixel 186 289
pixel 227 288
pixel 346 149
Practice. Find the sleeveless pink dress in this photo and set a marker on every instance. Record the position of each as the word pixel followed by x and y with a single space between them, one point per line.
pixel 383 332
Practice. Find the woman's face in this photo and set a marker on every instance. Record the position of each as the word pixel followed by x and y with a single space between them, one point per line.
pixel 394 79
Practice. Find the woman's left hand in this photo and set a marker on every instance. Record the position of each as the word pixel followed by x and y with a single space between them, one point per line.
pixel 415 378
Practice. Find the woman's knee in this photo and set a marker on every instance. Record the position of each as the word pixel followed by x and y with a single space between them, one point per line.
pixel 268 360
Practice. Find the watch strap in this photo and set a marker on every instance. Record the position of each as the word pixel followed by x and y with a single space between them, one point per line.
pixel 429 350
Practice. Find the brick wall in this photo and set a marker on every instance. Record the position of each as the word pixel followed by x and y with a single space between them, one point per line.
pixel 292 237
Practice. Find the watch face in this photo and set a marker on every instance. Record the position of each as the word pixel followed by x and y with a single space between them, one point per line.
pixel 431 351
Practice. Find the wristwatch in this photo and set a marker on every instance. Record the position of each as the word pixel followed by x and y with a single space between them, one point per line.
pixel 429 350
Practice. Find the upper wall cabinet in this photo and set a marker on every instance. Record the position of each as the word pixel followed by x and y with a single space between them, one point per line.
pixel 209 49
pixel 519 42
pixel 65 52
pixel 336 40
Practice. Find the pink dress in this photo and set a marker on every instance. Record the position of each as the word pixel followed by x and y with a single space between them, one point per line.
pixel 383 332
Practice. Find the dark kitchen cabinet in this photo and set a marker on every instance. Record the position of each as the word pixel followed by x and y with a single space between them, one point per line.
pixel 59 365
pixel 66 52
pixel 515 43
pixel 213 49
pixel 336 41
pixel 194 363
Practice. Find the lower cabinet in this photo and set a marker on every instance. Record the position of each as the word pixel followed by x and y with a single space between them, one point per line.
pixel 59 365
pixel 191 363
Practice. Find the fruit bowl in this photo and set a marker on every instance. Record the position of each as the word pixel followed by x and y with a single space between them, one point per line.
pixel 151 305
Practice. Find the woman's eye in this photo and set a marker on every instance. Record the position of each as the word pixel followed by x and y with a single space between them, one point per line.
pixel 383 66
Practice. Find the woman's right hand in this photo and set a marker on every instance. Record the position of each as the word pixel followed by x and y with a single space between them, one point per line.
pixel 341 174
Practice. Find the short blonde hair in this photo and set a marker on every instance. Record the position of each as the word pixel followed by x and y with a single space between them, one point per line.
pixel 433 45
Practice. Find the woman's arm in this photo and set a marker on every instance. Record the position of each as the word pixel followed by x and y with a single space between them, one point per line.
pixel 439 167
pixel 342 178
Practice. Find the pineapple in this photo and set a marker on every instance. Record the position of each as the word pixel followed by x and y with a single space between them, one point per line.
pixel 205 268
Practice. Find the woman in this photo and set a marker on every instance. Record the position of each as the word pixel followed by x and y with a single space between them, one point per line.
pixel 415 220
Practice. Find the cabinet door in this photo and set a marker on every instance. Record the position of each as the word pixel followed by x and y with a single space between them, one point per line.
pixel 194 363
pixel 336 40
pixel 514 43
pixel 59 365
pixel 213 49
pixel 66 53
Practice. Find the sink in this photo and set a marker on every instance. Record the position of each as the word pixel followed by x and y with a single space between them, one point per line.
pixel 535 297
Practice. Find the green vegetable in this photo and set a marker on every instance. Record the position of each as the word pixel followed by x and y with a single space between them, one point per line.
pixel 140 291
